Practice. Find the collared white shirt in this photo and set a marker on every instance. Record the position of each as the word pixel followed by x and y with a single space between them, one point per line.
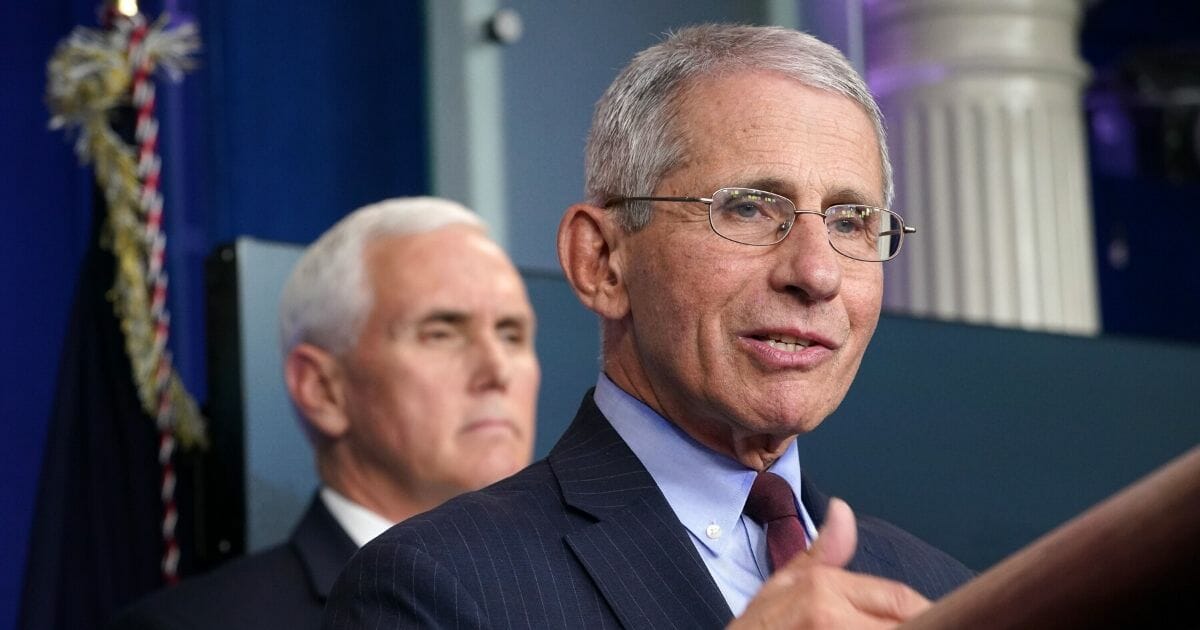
pixel 707 491
pixel 360 523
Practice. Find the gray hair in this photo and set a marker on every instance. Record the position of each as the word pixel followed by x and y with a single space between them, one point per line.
pixel 634 142
pixel 327 297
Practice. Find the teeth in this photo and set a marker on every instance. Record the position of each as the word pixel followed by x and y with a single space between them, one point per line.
pixel 787 343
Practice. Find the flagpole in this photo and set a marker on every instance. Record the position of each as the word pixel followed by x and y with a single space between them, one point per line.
pixel 128 52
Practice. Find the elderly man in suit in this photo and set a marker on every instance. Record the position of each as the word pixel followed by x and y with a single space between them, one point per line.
pixel 733 245
pixel 408 343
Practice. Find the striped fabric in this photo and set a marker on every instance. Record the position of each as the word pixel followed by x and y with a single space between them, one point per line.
pixel 582 539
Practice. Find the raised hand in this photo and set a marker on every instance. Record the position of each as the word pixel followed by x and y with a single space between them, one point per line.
pixel 815 591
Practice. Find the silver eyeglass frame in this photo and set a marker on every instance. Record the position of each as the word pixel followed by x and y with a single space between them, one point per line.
pixel 904 228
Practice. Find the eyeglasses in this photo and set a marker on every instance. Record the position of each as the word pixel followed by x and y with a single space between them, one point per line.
pixel 759 218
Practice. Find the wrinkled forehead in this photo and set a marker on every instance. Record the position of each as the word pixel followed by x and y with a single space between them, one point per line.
pixel 748 121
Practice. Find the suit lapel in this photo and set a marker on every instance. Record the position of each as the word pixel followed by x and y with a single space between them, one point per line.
pixel 874 554
pixel 322 546
pixel 637 552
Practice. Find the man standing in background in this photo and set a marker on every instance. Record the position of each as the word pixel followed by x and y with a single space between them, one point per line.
pixel 408 343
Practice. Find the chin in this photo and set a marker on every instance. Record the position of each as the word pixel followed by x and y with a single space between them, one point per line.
pixel 787 427
pixel 783 421
pixel 495 468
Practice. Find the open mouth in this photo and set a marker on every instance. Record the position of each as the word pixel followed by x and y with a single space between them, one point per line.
pixel 786 343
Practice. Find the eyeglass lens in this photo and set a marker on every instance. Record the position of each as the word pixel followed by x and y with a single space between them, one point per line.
pixel 755 217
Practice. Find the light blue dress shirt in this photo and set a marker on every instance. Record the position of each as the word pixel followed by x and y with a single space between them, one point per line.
pixel 705 489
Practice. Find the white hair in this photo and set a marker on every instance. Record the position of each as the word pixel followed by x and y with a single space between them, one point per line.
pixel 327 297
pixel 634 139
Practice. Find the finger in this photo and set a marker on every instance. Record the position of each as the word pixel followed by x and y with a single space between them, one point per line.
pixel 838 537
pixel 885 599
pixel 833 598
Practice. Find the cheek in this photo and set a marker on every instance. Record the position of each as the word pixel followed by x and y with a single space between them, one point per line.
pixel 524 389
pixel 863 296
pixel 418 389
pixel 693 290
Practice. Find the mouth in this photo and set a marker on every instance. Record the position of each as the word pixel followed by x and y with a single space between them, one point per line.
pixel 489 424
pixel 784 342
pixel 788 349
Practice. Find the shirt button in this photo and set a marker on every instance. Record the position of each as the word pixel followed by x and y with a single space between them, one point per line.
pixel 713 531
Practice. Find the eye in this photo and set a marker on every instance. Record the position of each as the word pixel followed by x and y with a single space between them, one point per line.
pixel 846 226
pixel 437 333
pixel 848 220
pixel 743 207
pixel 513 334
pixel 745 210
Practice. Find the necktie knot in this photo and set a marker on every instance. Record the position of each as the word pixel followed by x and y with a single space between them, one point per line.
pixel 770 499
pixel 772 505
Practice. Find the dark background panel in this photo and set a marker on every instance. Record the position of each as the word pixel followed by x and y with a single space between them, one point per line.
pixel 982 439
pixel 1143 114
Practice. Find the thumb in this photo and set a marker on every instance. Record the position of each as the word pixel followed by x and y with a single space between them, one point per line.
pixel 838 537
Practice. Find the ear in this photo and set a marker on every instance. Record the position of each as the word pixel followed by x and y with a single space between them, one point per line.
pixel 314 380
pixel 589 252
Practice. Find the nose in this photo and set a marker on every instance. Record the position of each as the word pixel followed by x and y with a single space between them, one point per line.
pixel 807 264
pixel 492 367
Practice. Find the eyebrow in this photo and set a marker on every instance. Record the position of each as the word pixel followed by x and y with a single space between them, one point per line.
pixel 454 318
pixel 845 194
pixel 461 317
pixel 517 320
pixel 771 185
pixel 854 196
pixel 445 315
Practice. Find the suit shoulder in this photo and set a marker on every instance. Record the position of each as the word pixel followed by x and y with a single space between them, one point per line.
pixel 243 593
pixel 481 516
pixel 888 550
pixel 462 563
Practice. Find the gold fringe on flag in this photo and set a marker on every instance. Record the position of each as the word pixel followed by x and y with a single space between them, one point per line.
pixel 89 75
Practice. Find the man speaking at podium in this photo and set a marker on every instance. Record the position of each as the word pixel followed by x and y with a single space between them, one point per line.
pixel 732 244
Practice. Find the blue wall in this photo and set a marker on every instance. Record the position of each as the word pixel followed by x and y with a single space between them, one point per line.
pixel 44 200
pixel 297 114
pixel 553 77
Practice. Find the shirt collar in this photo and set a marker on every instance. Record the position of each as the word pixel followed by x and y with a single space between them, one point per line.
pixel 360 523
pixel 705 489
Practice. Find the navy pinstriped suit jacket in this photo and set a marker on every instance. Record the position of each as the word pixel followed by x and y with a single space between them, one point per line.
pixel 582 539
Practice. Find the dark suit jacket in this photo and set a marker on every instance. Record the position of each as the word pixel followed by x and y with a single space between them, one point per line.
pixel 582 539
pixel 282 587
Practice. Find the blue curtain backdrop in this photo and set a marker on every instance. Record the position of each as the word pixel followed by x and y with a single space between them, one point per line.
pixel 295 116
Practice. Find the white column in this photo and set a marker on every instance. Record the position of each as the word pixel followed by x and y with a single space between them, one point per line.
pixel 984 110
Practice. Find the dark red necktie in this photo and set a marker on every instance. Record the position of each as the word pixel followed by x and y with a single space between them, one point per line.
pixel 772 505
